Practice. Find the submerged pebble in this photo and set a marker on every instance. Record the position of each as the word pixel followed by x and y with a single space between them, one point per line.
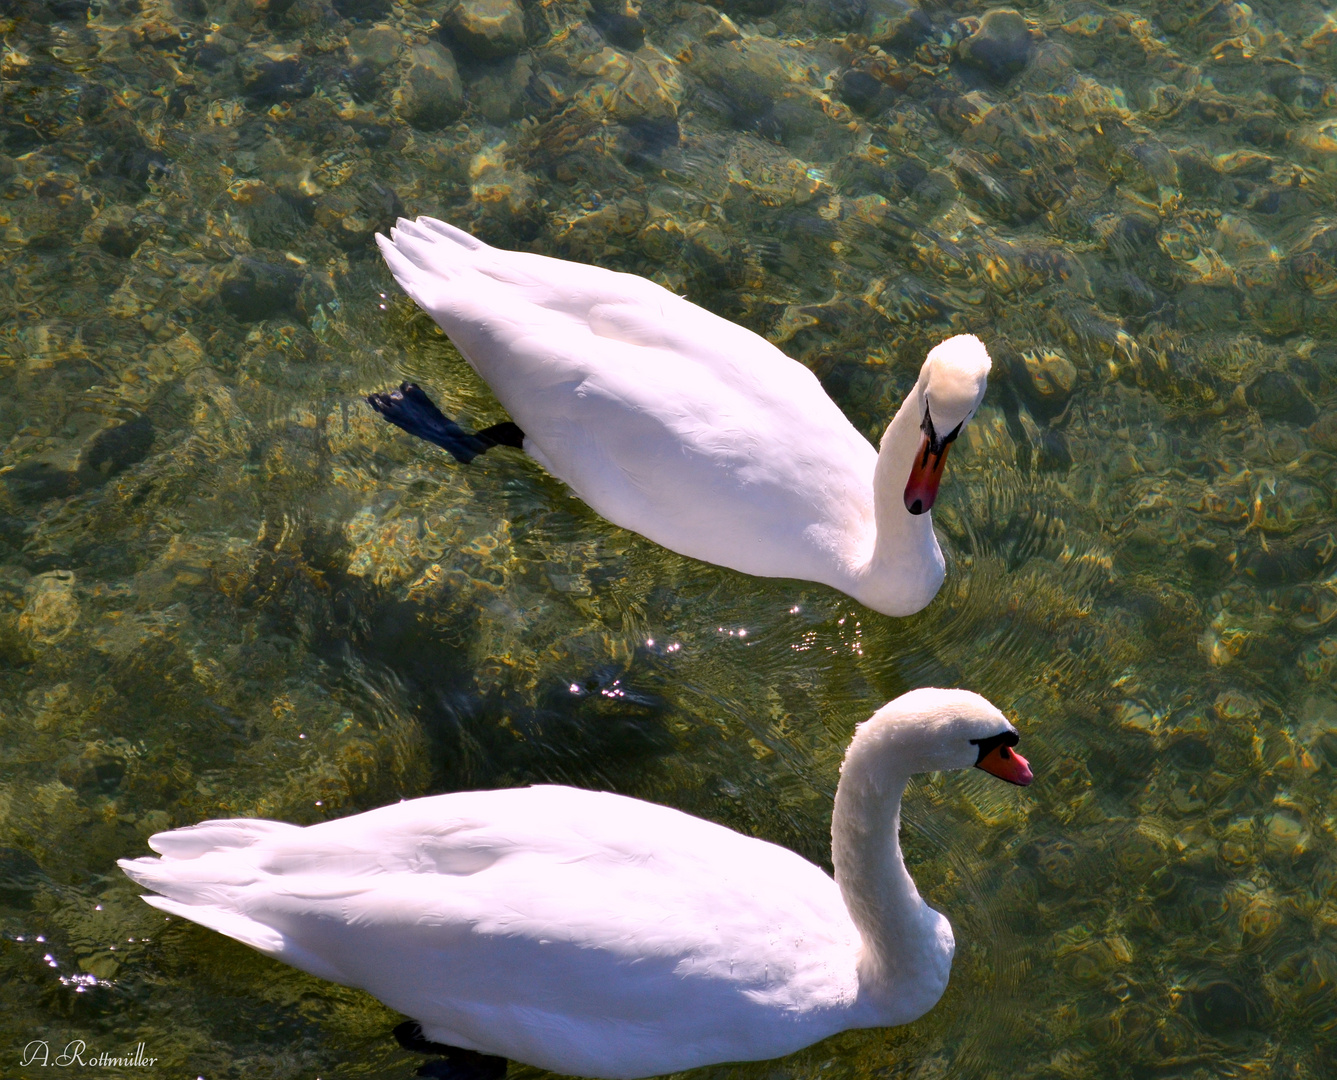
pixel 1000 46
pixel 487 28
pixel 430 93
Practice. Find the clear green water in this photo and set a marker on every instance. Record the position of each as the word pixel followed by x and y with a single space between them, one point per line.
pixel 226 588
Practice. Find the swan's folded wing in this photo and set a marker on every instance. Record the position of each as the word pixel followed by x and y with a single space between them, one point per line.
pixel 507 898
pixel 738 357
pixel 515 314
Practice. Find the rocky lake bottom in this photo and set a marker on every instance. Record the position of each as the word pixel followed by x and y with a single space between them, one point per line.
pixel 228 589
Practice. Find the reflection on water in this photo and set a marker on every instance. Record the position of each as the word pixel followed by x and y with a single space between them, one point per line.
pixel 227 588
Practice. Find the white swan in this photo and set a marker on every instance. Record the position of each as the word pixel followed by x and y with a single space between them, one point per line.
pixel 596 935
pixel 683 426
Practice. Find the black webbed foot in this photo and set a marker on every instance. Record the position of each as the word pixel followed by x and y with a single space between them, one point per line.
pixel 504 434
pixel 411 409
pixel 454 1062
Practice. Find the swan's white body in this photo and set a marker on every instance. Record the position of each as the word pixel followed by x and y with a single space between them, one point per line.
pixel 592 934
pixel 685 427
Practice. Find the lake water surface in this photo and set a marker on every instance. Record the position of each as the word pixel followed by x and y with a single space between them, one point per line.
pixel 227 588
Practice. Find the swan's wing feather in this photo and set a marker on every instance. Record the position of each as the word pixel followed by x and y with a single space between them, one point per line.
pixel 257 935
pixel 450 232
pixel 588 886
pixel 673 324
pixel 483 297
pixel 263 938
pixel 196 840
pixel 716 464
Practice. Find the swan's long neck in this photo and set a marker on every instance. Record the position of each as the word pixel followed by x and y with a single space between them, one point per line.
pixel 906 945
pixel 906 567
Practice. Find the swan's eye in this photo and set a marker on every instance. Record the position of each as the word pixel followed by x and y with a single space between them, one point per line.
pixel 1000 742
pixel 933 443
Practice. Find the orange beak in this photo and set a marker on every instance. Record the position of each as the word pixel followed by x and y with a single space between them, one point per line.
pixel 1006 764
pixel 925 475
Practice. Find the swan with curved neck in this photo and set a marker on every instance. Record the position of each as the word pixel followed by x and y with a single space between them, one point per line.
pixel 596 935
pixel 682 426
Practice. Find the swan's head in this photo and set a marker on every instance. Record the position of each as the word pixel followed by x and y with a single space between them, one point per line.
pixel 950 388
pixel 929 730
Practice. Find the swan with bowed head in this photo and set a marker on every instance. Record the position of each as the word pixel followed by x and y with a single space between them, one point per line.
pixel 596 935
pixel 682 426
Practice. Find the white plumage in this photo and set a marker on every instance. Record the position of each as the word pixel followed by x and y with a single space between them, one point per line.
pixel 685 427
pixel 593 934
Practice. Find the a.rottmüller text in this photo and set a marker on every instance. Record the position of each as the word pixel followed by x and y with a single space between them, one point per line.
pixel 77 1053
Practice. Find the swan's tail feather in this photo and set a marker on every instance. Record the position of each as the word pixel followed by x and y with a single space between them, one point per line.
pixel 439 268
pixel 191 881
pixel 450 232
pixel 432 261
pixel 257 935
pixel 211 892
pixel 234 925
pixel 186 875
pixel 428 285
pixel 446 246
pixel 486 298
pixel 400 266
pixel 422 250
pixel 196 840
